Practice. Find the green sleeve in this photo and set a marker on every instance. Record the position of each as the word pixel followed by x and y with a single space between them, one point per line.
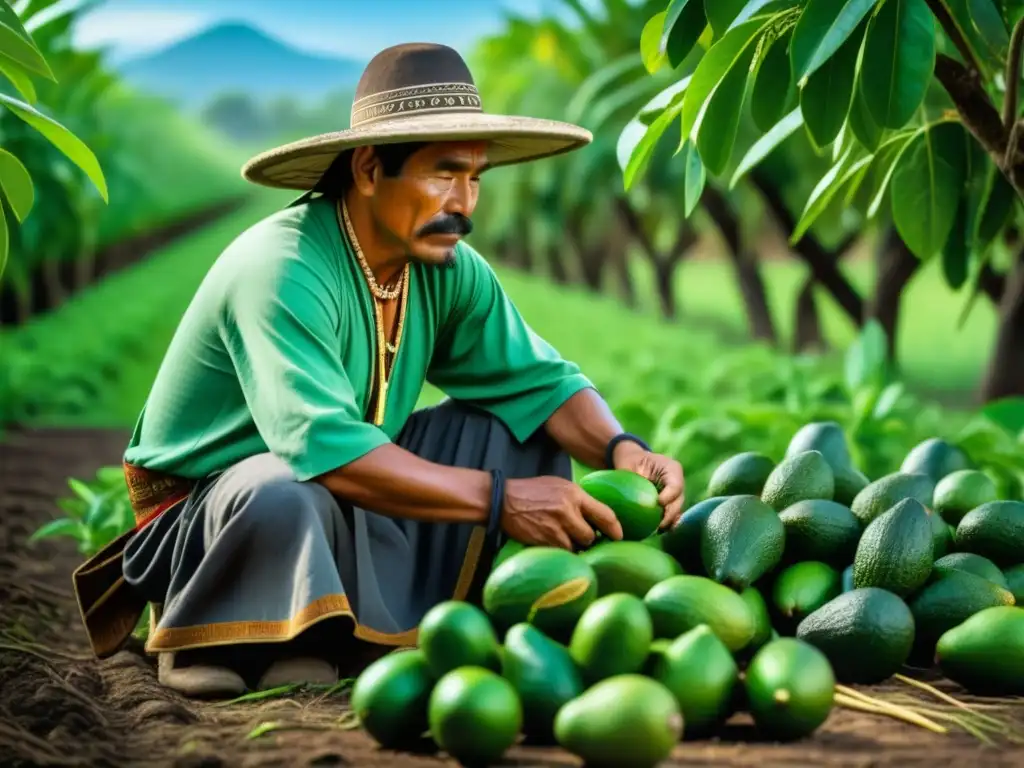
pixel 486 354
pixel 280 328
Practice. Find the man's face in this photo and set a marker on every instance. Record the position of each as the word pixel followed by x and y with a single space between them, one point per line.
pixel 427 207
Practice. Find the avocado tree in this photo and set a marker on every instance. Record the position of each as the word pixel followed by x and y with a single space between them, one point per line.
pixel 21 60
pixel 914 104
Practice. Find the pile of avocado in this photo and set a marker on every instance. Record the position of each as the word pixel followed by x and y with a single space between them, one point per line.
pixel 789 577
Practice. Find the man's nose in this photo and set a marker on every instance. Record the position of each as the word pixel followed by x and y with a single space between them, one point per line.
pixel 461 198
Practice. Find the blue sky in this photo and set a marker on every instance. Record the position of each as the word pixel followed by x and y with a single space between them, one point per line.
pixel 355 28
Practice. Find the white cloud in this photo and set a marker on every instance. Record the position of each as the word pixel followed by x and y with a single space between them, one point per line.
pixel 136 30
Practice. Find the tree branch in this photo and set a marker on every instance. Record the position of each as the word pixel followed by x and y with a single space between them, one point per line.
pixel 973 104
pixel 823 264
pixel 952 30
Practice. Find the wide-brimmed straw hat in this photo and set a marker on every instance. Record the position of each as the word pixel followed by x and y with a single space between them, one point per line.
pixel 415 92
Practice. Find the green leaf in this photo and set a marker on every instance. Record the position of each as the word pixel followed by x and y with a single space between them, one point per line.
pixel 822 29
pixel 17 184
pixel 70 145
pixel 60 527
pixel 773 90
pixel 19 79
pixel 863 126
pixel 650 43
pixel 825 97
pixel 985 24
pixel 5 240
pixel 957 251
pixel 684 23
pixel 718 126
pixel 884 165
pixel 899 59
pixel 764 146
pixel 995 207
pixel 756 6
pixel 1012 11
pixel 1007 412
pixel 826 189
pixel 721 13
pixel 866 358
pixel 644 149
pixel 716 64
pixel 17 45
pixel 695 177
pixel 596 84
pixel 926 188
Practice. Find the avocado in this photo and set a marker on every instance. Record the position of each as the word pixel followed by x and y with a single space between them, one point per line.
pixel 544 676
pixel 959 492
pixel 613 637
pixel 942 539
pixel 818 529
pixel 683 540
pixel 743 539
pixel 971 563
pixel 803 588
pixel 867 634
pixel 994 530
pixel 950 600
pixel 632 497
pixel 885 492
pixel 825 437
pixel 743 474
pixel 623 720
pixel 803 476
pixel 545 586
pixel 935 458
pixel 457 634
pixel 702 675
pixel 985 654
pixel 895 551
pixel 762 619
pixel 391 696
pixel 680 603
pixel 475 715
pixel 847 579
pixel 628 566
pixel 848 481
pixel 509 548
pixel 790 689
pixel 1015 582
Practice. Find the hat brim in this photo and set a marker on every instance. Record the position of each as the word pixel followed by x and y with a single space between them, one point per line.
pixel 511 139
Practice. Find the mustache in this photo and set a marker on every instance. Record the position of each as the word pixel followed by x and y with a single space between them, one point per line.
pixel 447 224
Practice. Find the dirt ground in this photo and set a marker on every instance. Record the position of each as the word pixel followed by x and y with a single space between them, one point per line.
pixel 61 707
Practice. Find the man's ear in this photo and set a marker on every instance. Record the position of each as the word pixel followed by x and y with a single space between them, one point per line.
pixel 364 170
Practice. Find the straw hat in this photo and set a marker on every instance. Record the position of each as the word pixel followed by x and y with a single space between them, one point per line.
pixel 415 92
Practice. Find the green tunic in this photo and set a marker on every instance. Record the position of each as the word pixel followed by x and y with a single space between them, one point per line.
pixel 277 351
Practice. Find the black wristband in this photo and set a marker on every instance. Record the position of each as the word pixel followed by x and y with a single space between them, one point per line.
pixel 497 501
pixel 608 460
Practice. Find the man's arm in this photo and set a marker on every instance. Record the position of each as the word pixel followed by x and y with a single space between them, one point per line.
pixel 584 425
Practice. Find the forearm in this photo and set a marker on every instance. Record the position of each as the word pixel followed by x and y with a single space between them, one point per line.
pixel 393 481
pixel 583 426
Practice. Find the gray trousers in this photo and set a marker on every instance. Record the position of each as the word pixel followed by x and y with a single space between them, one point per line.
pixel 253 556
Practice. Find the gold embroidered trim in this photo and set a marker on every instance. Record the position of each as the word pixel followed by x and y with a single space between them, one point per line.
pixel 328 606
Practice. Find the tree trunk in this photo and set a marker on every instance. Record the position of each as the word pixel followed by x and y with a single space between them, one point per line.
pixel 1005 374
pixel 748 272
pixel 896 264
pixel 557 265
pixel 664 271
pixel 807 336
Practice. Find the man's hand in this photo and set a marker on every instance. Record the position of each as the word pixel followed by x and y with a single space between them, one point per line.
pixel 664 472
pixel 554 512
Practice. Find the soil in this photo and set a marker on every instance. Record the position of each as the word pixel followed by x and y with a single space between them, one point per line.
pixel 59 706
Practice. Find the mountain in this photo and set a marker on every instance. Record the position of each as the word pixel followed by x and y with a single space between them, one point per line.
pixel 238 58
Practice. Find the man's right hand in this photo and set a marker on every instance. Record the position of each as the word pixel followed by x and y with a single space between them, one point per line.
pixel 555 512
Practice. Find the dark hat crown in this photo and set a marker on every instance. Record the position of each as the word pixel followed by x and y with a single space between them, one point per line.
pixel 414 79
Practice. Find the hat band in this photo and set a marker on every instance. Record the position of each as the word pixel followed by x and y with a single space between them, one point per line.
pixel 414 101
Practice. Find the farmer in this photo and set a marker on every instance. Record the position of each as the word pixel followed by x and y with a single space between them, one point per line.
pixel 294 510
